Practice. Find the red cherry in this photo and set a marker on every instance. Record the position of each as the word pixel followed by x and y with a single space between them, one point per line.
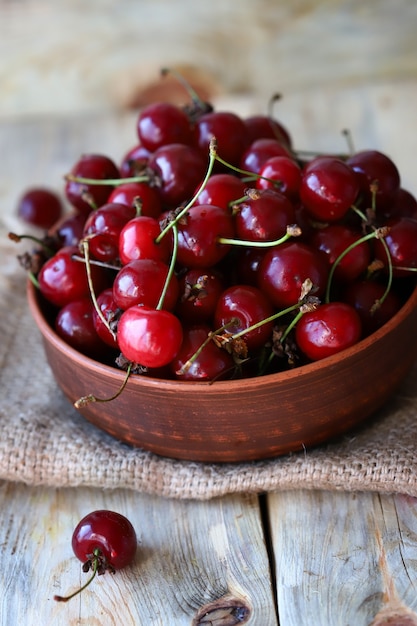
pixel 285 268
pixel 134 161
pixel 103 227
pixel 139 195
pixel 211 363
pixel 70 231
pixel 199 292
pixel 284 170
pixel 266 127
pixel 256 155
pixel 142 282
pixel 364 296
pixel 111 312
pixel 333 240
pixel 86 196
pixel 404 204
pixel 150 337
pixel 328 188
pixel 229 131
pixel 221 190
pixel 137 240
pixel 329 329
pixel 401 241
pixel 75 325
pixel 163 123
pixel 40 207
pixel 103 541
pixel 264 217
pixel 373 166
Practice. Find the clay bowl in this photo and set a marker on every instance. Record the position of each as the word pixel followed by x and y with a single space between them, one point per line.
pixel 239 420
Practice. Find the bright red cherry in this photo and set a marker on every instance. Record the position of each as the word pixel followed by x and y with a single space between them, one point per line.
pixel 103 228
pixel 221 190
pixel 40 207
pixel 286 173
pixel 149 337
pixel 84 196
pixel 328 188
pixel 137 240
pixel 329 329
pixel 162 123
pixel 146 199
pixel 142 282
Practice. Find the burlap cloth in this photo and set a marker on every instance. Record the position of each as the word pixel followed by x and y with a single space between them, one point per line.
pixel 44 441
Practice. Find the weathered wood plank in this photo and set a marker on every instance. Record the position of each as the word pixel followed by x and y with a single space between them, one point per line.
pixel 193 559
pixel 342 559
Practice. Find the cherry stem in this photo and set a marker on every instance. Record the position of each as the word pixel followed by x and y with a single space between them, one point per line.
pixel 95 564
pixel 108 266
pixel 86 252
pixel 171 267
pixel 292 231
pixel 348 136
pixel 188 88
pixel 271 318
pixel 18 238
pixel 238 170
pixel 186 366
pixel 106 181
pixel 91 398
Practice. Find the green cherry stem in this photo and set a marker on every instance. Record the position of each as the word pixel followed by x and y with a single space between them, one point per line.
pixel 95 564
pixel 92 398
pixel 171 267
pixel 106 181
pixel 186 366
pixel 292 231
pixel 18 238
pixel 271 318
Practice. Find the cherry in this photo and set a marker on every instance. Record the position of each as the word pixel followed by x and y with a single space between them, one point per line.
pixel 327 330
pixel 245 306
pixel 230 133
pixel 145 199
pixel 199 293
pixel 282 173
pixel 138 240
pixel 401 241
pixel 149 337
pixel 106 323
pixel 284 269
pixel 134 161
pixel 181 168
pixel 247 263
pixel 266 127
pixel 62 278
pixel 142 282
pixel 328 188
pixel 84 196
pixel 74 323
pixel 199 234
pixel 103 541
pixel 374 305
pixel 163 123
pixel 70 230
pixel 372 166
pixel 103 227
pixel 40 207
pixel 333 240
pixel 221 190
pixel 199 358
pixel 264 216
pixel 259 152
pixel 404 204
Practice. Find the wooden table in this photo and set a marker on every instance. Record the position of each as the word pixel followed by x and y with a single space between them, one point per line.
pixel 289 558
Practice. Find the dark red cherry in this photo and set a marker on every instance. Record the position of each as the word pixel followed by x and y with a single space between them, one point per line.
pixel 181 169
pixel 149 336
pixel 333 240
pixel 111 313
pixel 40 206
pixel 329 329
pixel 142 282
pixel 134 161
pixel 266 127
pixel 138 240
pixel 103 228
pixel 328 188
pixel 145 199
pixel 404 204
pixel 247 264
pixel 163 123
pixel 258 152
pixel 229 131
pixel 401 241
pixel 63 279
pixel 284 174
pixel 245 306
pixel 374 306
pixel 263 217
pixel 284 269
pixel 373 166
pixel 199 234
pixel 74 324
pixel 84 196
pixel 211 363
pixel 199 292
pixel 70 230
pixel 221 190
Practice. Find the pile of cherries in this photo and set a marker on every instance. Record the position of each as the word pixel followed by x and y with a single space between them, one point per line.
pixel 216 250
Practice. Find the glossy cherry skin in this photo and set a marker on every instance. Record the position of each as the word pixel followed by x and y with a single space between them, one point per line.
pixel 229 131
pixel 371 166
pixel 245 305
pixel 212 362
pixel 138 240
pixel 264 217
pixel 63 279
pixel 149 336
pixel 284 269
pixel 331 328
pixel 181 169
pixel 103 228
pixel 40 206
pixel 333 240
pixel 97 167
pixel 284 174
pixel 199 233
pixel 402 245
pixel 199 292
pixel 145 199
pixel 266 127
pixel 75 325
pixel 142 282
pixel 222 190
pixel 162 123
pixel 256 155
pixel 109 532
pixel 134 161
pixel 70 230
pixel 363 295
pixel 111 312
pixel 328 188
